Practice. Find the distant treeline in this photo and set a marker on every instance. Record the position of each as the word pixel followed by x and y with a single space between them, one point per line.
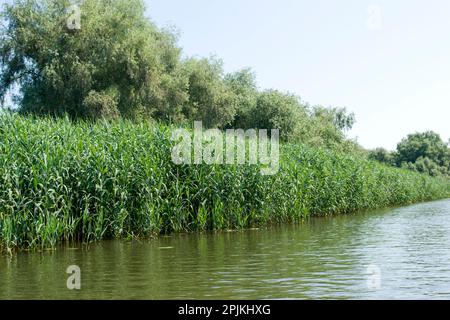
pixel 422 152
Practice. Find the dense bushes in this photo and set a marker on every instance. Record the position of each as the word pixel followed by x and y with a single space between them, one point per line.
pixel 65 181
pixel 422 152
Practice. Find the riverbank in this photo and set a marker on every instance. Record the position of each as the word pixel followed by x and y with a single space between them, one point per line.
pixel 61 181
pixel 377 254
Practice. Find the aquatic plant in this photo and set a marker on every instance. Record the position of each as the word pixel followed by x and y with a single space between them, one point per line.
pixel 82 181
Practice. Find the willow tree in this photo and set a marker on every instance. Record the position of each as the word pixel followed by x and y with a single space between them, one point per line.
pixel 108 61
pixel 211 99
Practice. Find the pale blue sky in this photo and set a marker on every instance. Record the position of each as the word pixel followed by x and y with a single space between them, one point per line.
pixel 392 71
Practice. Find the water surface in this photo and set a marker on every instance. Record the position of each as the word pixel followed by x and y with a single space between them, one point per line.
pixel 401 253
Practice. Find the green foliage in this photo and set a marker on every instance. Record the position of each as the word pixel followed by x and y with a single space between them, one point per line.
pixel 119 64
pixel 210 99
pixel 338 117
pixel 63 71
pixel 243 85
pixel 382 155
pixel 427 144
pixel 84 181
pixel 325 128
pixel 99 105
pixel 426 165
pixel 276 110
pixel 424 152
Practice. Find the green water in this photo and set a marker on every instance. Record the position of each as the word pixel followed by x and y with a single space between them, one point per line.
pixel 333 258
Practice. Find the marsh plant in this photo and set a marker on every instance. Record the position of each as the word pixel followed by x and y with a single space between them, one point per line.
pixel 230 147
pixel 81 181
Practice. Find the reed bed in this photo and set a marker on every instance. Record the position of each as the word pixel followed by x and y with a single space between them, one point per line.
pixel 64 181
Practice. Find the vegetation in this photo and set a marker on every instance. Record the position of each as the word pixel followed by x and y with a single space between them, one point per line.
pixel 65 181
pixel 88 154
pixel 421 152
pixel 119 64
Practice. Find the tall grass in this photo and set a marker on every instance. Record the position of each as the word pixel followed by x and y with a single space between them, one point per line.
pixel 61 181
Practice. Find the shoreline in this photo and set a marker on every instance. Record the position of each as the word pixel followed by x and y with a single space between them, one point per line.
pixel 91 181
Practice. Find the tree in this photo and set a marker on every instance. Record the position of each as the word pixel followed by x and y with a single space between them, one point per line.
pixel 427 145
pixel 424 152
pixel 277 110
pixel 210 99
pixel 382 155
pixel 325 127
pixel 243 85
pixel 117 63
pixel 338 117
pixel 114 62
pixel 426 165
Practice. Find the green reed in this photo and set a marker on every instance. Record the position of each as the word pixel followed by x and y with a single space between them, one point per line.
pixel 65 181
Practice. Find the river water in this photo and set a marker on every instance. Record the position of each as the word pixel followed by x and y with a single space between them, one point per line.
pixel 400 253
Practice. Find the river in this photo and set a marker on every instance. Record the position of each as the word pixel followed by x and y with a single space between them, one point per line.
pixel 399 253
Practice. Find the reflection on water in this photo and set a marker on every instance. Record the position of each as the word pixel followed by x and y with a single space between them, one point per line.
pixel 330 258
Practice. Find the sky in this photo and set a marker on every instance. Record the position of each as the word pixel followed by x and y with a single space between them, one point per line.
pixel 386 61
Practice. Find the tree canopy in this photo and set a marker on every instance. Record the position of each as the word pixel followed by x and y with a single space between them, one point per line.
pixel 118 63
pixel 423 152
